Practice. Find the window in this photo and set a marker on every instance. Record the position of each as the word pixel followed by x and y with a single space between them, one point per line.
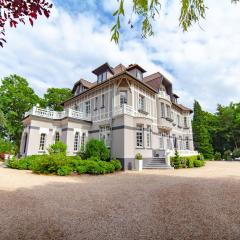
pixel 83 138
pixel 161 142
pixel 168 112
pixel 175 142
pixel 139 136
pixel 185 122
pixel 162 110
pixel 149 136
pixel 25 142
pixel 96 103
pixel 139 74
pixel 105 134
pixel 102 77
pixel 141 104
pixel 57 137
pixel 76 142
pixel 87 107
pixel 178 120
pixel 180 143
pixel 169 145
pixel 187 143
pixel 42 142
pixel 103 101
pixel 123 97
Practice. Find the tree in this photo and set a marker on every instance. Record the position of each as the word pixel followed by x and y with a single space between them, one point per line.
pixel 15 11
pixel 2 119
pixel 16 98
pixel 201 137
pixel 191 12
pixel 55 96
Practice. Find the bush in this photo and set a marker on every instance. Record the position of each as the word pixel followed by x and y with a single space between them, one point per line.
pixel 82 169
pixel 198 163
pixel 175 161
pixel 7 147
pixel 58 147
pixel 97 148
pixel 185 161
pixel 117 164
pixel 64 171
pixel 227 155
pixel 190 162
pixel 138 156
pixel 23 163
pixel 236 153
pixel 217 156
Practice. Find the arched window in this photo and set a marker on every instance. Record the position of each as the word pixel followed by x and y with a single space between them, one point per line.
pixel 42 142
pixel 57 137
pixel 76 142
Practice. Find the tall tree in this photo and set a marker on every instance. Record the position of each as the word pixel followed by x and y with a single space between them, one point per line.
pixel 54 97
pixel 16 97
pixel 201 137
pixel 2 119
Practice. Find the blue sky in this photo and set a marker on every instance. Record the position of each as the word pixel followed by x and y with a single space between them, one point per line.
pixel 203 63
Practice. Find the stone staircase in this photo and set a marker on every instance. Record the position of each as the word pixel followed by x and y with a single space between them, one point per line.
pixel 157 163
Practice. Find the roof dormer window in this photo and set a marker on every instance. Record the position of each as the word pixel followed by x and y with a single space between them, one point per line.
pixel 102 77
pixel 139 74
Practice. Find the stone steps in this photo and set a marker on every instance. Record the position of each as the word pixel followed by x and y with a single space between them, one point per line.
pixel 157 163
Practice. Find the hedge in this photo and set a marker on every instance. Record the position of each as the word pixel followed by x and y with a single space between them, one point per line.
pixel 187 161
pixel 64 165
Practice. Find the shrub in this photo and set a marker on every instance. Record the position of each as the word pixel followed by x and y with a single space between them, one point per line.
pixel 93 167
pixel 200 157
pixel 64 171
pixel 227 155
pixel 217 156
pixel 190 162
pixel 97 148
pixel 58 147
pixel 198 163
pixel 236 153
pixel 107 167
pixel 138 156
pixel 23 163
pixel 176 162
pixel 82 169
pixel 117 164
pixel 7 147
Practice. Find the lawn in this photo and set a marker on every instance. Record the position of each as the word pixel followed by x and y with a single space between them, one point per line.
pixel 200 203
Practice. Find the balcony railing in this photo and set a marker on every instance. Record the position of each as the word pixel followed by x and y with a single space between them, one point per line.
pixel 164 95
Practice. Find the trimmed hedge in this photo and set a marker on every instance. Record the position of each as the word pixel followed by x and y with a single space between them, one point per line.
pixel 64 165
pixel 187 161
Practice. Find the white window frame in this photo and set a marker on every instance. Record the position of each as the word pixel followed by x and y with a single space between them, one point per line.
pixel 139 74
pixel 149 136
pixel 168 111
pixel 163 114
pixel 105 134
pixel 57 136
pixel 185 122
pixel 140 136
pixel 161 141
pixel 141 102
pixel 96 103
pixel 88 107
pixel 83 140
pixel 42 143
pixel 123 97
pixel 76 142
pixel 187 143
pixel 103 100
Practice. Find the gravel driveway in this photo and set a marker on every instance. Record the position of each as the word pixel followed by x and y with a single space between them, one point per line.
pixel 155 204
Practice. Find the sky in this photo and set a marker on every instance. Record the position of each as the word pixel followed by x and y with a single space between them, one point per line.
pixel 203 63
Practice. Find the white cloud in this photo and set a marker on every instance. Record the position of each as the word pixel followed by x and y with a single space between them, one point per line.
pixel 203 64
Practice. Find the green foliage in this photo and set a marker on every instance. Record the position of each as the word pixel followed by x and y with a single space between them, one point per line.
pixel 2 119
pixel 217 156
pixel 138 156
pixel 186 161
pixel 201 136
pixel 97 148
pixel 55 96
pixel 64 171
pixel 7 147
pixel 236 153
pixel 58 147
pixel 198 163
pixel 117 164
pixel 16 98
pixel 227 155
pixel 81 169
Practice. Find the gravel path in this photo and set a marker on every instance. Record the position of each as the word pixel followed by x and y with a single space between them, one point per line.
pixel 155 204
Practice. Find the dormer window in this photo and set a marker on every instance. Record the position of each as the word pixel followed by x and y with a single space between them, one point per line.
pixel 139 74
pixel 102 77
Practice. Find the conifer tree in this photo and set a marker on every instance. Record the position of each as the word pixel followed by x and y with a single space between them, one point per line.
pixel 201 136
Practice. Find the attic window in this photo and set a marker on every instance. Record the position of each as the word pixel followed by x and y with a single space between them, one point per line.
pixel 139 74
pixel 102 77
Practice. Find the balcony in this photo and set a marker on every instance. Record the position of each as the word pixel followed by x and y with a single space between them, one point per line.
pixel 164 95
pixel 45 113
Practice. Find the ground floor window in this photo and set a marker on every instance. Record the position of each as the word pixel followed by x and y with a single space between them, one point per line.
pixel 139 136
pixel 180 143
pixel 161 142
pixel 42 142
pixel 83 139
pixel 169 144
pixel 57 137
pixel 187 143
pixel 25 142
pixel 76 142
pixel 175 143
pixel 149 136
pixel 105 134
